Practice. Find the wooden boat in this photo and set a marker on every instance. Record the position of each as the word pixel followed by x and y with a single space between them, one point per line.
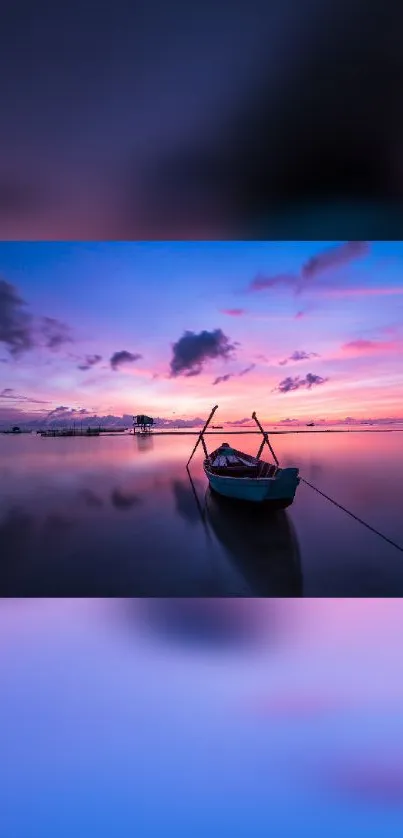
pixel 240 476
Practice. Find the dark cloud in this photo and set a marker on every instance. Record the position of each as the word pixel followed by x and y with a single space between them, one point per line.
pixel 221 378
pixel 123 357
pixel 89 361
pixel 299 355
pixel 61 412
pixel 16 325
pixel 261 282
pixel 247 369
pixel 297 383
pixel 55 332
pixel 192 350
pixel 9 393
pixel 21 332
pixel 333 257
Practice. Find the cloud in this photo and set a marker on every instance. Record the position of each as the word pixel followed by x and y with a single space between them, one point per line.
pixel 122 358
pixel 222 378
pixel 55 333
pixel 299 315
pixel 299 355
pixel 247 369
pixel 21 332
pixel 60 411
pixel 297 383
pixel 89 361
pixel 233 312
pixel 192 350
pixel 11 395
pixel 261 282
pixel 244 421
pixel 374 291
pixel 369 347
pixel 332 257
pixel 16 325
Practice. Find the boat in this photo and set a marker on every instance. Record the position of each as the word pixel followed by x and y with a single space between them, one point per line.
pixel 310 424
pixel 242 477
pixel 217 427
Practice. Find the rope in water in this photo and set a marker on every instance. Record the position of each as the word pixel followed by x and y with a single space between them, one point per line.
pixel 360 521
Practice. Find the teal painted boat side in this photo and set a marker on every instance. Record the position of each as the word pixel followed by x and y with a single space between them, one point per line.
pixel 282 487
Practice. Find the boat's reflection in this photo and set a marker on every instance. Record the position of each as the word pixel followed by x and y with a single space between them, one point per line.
pixel 262 543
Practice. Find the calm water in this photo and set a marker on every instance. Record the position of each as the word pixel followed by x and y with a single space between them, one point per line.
pixel 118 516
pixel 201 718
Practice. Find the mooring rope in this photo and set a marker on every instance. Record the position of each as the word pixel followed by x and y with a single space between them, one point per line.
pixel 356 518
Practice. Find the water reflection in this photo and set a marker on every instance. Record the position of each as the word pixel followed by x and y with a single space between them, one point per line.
pixel 262 543
pixel 95 517
pixel 124 500
pixel 90 498
pixel 16 533
pixel 185 500
pixel 145 442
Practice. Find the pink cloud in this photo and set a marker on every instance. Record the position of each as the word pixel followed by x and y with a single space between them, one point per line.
pixel 378 291
pixel 233 312
pixel 370 347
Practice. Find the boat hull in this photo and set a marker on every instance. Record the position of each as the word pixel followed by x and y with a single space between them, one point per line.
pixel 277 491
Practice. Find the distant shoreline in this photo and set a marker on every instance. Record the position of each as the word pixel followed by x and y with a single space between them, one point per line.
pixel 218 433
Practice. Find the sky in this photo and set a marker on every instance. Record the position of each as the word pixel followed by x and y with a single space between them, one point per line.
pixel 179 120
pixel 294 330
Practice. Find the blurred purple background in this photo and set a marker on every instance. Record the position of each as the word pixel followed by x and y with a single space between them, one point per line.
pixel 183 120
pixel 280 717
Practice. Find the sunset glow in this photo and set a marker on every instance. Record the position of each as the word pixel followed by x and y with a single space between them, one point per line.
pixel 301 330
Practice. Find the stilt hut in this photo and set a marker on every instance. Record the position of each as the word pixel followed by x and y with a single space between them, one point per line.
pixel 142 423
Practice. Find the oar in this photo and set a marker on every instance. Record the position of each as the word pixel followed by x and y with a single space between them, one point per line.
pixel 202 432
pixel 265 439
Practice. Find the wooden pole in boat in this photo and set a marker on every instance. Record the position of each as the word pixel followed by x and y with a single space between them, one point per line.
pixel 265 439
pixel 202 432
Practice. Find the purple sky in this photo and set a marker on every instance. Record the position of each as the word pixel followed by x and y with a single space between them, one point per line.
pixel 290 329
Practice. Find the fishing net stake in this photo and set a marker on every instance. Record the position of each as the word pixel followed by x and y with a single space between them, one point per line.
pixel 265 439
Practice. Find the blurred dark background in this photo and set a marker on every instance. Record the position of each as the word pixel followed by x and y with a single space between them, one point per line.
pixel 253 119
